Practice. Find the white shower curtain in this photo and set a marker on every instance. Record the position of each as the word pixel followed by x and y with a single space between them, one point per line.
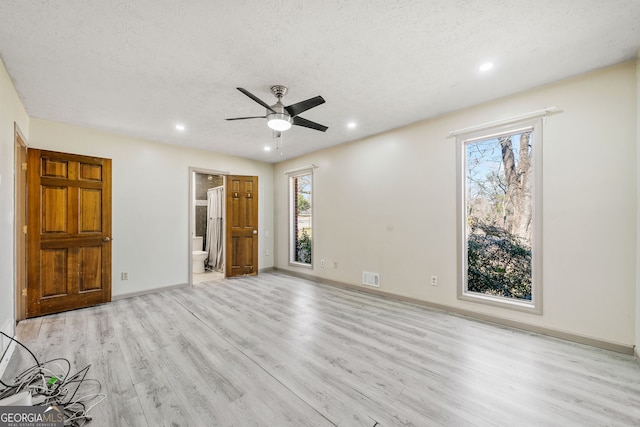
pixel 213 245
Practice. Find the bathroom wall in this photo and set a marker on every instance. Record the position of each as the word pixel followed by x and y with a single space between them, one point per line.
pixel 202 184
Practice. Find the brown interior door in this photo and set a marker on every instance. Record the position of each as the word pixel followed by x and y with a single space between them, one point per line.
pixel 242 226
pixel 68 232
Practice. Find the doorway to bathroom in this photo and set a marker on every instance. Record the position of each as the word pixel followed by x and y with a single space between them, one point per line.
pixel 207 225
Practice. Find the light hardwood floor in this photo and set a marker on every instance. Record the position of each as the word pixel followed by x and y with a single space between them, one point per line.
pixel 282 351
pixel 207 276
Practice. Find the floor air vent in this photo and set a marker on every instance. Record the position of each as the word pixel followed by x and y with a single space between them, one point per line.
pixel 371 279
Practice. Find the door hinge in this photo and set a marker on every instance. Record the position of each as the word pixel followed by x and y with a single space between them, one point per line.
pixel 24 229
pixel 24 166
pixel 24 292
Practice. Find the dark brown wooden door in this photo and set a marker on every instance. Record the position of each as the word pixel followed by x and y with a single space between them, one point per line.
pixel 68 232
pixel 242 226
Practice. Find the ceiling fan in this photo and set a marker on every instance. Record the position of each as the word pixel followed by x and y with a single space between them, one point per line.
pixel 280 118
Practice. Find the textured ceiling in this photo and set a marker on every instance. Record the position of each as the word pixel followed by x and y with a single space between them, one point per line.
pixel 138 67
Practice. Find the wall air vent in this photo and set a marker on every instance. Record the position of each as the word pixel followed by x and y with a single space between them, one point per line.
pixel 371 279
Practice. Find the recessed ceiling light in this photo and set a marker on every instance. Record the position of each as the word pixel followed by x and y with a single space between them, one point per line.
pixel 486 66
pixel 267 148
pixel 180 127
pixel 351 125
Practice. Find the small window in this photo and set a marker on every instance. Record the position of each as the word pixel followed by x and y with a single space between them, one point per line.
pixel 499 216
pixel 301 218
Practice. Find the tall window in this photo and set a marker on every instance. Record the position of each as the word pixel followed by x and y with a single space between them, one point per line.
pixel 499 216
pixel 301 208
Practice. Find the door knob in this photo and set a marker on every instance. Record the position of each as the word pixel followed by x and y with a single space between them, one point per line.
pixel 106 239
pixel 255 231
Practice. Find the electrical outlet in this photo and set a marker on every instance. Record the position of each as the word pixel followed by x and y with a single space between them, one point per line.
pixel 124 276
pixel 322 263
pixel 434 280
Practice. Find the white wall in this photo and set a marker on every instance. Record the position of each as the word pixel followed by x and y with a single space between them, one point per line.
pixel 387 204
pixel 637 342
pixel 11 110
pixel 151 200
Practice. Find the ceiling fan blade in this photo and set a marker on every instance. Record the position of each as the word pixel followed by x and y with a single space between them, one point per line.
pixel 299 121
pixel 302 106
pixel 255 98
pixel 245 118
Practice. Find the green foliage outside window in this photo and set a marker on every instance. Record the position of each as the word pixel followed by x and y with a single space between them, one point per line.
pixel 303 248
pixel 499 263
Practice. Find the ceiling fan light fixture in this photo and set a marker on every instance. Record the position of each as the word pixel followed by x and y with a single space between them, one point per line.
pixel 281 118
pixel 279 122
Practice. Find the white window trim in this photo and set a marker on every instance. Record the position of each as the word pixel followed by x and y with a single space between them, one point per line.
pixel 307 170
pixel 481 133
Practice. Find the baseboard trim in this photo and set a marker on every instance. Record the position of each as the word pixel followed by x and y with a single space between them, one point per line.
pixel 266 270
pixel 636 353
pixel 567 336
pixel 148 291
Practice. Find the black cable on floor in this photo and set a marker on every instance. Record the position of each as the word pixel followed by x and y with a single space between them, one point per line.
pixel 50 384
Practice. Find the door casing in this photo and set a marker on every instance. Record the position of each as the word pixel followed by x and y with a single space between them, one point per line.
pixel 192 213
pixel 20 211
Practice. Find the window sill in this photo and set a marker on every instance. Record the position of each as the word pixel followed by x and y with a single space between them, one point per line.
pixel 508 303
pixel 301 265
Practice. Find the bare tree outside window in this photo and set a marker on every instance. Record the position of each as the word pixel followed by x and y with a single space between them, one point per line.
pixel 499 215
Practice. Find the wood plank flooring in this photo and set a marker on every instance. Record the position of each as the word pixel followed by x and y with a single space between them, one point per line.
pixel 275 350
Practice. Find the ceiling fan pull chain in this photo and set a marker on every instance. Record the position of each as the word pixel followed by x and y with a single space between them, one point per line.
pixel 279 145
